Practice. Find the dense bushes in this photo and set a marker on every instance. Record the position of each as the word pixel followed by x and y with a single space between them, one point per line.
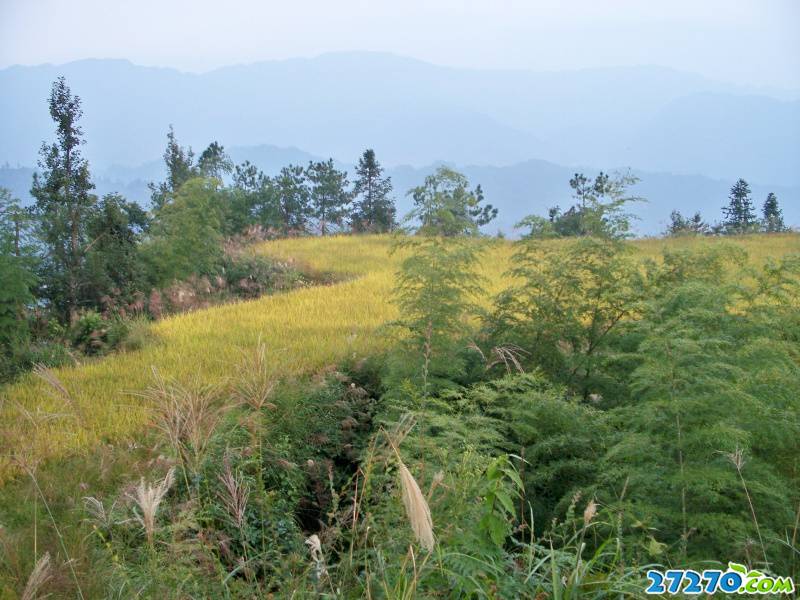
pixel 39 338
pixel 679 409
pixel 693 361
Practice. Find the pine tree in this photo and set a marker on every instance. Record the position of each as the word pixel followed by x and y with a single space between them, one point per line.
pixel 64 202
pixel 773 215
pixel 599 210
pixel 444 205
pixel 740 216
pixel 697 225
pixel 680 225
pixel 330 197
pixel 180 168
pixel 293 199
pixel 214 161
pixel 254 199
pixel 374 210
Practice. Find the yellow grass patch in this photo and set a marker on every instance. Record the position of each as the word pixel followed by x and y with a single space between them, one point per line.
pixel 304 330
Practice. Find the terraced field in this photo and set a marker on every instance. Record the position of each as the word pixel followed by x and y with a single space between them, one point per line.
pixel 304 330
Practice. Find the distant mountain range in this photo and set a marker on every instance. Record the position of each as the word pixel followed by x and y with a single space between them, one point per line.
pixel 415 113
pixel 517 190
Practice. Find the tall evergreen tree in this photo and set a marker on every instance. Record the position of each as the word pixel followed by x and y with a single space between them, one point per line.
pixel 180 168
pixel 330 197
pixel 374 209
pixel 214 161
pixel 293 199
pixel 740 217
pixel 63 202
pixel 254 200
pixel 773 215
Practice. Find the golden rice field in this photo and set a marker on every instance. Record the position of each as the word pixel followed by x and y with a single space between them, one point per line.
pixel 304 330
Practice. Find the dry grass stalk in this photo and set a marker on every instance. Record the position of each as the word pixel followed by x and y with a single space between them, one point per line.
pixel 234 496
pixel 98 513
pixel 61 392
pixel 148 497
pixel 41 574
pixel 417 509
pixel 589 512
pixel 187 417
pixel 256 380
pixel 509 355
pixel 315 549
pixel 438 478
pixel 737 460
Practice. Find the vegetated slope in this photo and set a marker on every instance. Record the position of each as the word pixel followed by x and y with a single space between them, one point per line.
pixel 304 331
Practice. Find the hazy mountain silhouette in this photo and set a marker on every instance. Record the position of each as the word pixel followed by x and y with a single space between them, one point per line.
pixel 416 113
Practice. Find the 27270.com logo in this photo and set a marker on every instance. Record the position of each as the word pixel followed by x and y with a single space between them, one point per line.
pixel 737 579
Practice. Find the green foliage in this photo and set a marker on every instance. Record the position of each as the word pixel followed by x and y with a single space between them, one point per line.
pixel 566 302
pixel 253 200
pixel 436 288
pixel 559 438
pixel 740 216
pixel 374 210
pixel 680 225
pixel 599 211
pixel 328 193
pixel 214 162
pixel 294 199
pixel 88 332
pixel 18 280
pixel 180 169
pixel 186 237
pixel 699 392
pixel 63 203
pixel 502 486
pixel 772 221
pixel 250 276
pixel 114 268
pixel 700 398
pixel 444 206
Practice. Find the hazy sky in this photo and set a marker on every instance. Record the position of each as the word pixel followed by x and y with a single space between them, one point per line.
pixel 744 41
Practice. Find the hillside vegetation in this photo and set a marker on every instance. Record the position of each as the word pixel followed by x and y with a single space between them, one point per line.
pixel 328 382
pixel 303 330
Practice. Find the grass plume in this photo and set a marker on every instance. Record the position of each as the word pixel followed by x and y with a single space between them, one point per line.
pixel 147 497
pixel 41 574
